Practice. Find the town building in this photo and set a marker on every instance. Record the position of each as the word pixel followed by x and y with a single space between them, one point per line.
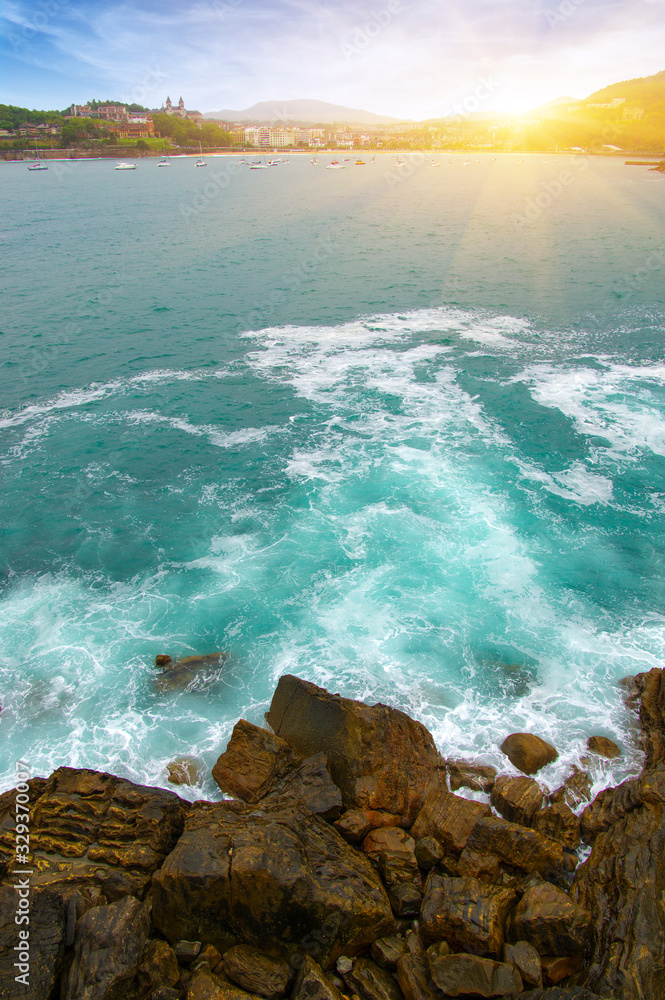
pixel 138 129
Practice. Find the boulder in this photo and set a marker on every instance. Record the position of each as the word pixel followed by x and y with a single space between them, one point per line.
pixel 649 692
pixel 428 852
pixel 474 865
pixel 461 975
pixel 370 982
pixel 378 756
pixel 575 790
pixel 311 782
pixel 405 899
pixel 46 940
pixel 107 953
pixel 609 806
pixel 467 913
pixel 603 747
pixel 526 960
pixel 449 818
pixel 184 771
pixel 463 774
pixel 187 951
pixel 559 822
pixel 414 978
pixel 389 840
pixel 253 760
pixel 516 845
pixel 205 985
pixel 159 967
pixel 528 753
pixel 311 984
pixel 176 675
pixel 517 799
pixel 556 968
pixel 272 875
pixel 550 920
pixel 353 825
pixel 387 951
pixel 255 972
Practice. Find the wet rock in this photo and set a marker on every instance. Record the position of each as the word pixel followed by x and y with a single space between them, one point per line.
pixel 528 753
pixel 477 777
pixel 205 985
pixel 179 674
pixel 378 818
pixel 461 975
pixel 575 790
pixel 108 950
pixel 405 899
pixel 46 943
pixel 378 757
pixel 438 950
pixel 370 982
pixel 386 951
pixel 163 660
pixel 526 960
pixel 164 993
pixel 311 782
pixel 268 875
pixel 187 951
pixel 559 822
pixel 414 942
pixel 184 771
pixel 255 972
pixel 344 965
pixel 466 913
pixel 474 865
pixel 650 691
pixel 428 852
pixel 517 799
pixel 312 984
pixel 253 760
pixel 516 845
pixel 211 956
pixel 353 825
pixel 159 967
pixel 603 747
pixel 550 920
pixel 414 978
pixel 389 840
pixel 559 993
pixel 449 818
pixel 556 968
pixel 609 807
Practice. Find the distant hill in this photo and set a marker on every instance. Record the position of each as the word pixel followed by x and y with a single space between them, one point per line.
pixel 294 112
pixel 648 92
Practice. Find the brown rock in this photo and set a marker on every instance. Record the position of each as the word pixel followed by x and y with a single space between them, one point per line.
pixel 414 978
pixel 466 913
pixel 378 818
pixel 650 689
pixel 428 852
pixel 516 845
pixel 461 975
pixel 353 825
pixel 108 949
pixel 559 967
pixel 389 840
pixel 205 985
pixel 311 782
pixel 269 875
pixel 184 771
pixel 211 956
pixel 159 967
pixel 255 972
pixel 558 822
pixel 526 960
pixel 413 942
pixel 475 865
pixel 378 756
pixel 370 982
pixel 517 799
pixel 179 674
pixel 405 899
pixel 46 943
pixel 311 984
pixel 449 818
pixel 609 807
pixel 550 920
pixel 575 790
pixel 478 777
pixel 162 660
pixel 253 760
pixel 528 753
pixel 186 951
pixel 386 951
pixel 603 747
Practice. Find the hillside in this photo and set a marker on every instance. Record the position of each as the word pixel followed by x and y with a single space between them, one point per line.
pixel 300 111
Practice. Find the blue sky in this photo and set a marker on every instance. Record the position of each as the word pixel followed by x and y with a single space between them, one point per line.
pixel 407 58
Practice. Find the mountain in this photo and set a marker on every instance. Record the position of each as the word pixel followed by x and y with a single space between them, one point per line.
pixel 293 112
pixel 646 91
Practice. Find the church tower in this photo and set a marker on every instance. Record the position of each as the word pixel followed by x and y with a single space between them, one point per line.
pixel 169 106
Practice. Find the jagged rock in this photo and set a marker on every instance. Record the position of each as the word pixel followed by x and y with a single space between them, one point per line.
pixel 159 967
pixel 311 984
pixel 413 942
pixel 184 771
pixel 405 899
pixel 559 822
pixel 622 884
pixel 528 753
pixel 609 806
pixel 108 949
pixel 179 674
pixel 603 747
pixel 205 985
pixel 46 941
pixel 460 975
pixel 353 825
pixel 466 913
pixel 526 960
pixel 414 978
pixel 575 790
pixel 164 993
pixel 389 840
pixel 312 783
pixel 428 852
pixel 343 965
pixel 474 865
pixel 559 993
pixel 550 920
pixel 650 690
pixel 438 950
pixel 517 799
pixel 378 818
pixel 378 756
pixel 556 968
pixel 516 845
pixel 399 869
pixel 370 982
pixel 255 972
pixel 89 827
pixel 163 660
pixel 462 774
pixel 386 951
pixel 449 818
pixel 187 951
pixel 211 956
pixel 253 760
pixel 268 875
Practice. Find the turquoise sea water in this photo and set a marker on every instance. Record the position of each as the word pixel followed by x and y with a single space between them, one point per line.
pixel 398 430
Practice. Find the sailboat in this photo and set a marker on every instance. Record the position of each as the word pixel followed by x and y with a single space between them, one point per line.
pixel 200 162
pixel 38 164
pixel 164 162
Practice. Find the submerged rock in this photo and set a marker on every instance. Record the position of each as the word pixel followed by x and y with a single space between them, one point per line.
pixel 176 675
pixel 184 771
pixel 603 747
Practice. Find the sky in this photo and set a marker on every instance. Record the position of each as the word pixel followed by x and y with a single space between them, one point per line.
pixel 412 59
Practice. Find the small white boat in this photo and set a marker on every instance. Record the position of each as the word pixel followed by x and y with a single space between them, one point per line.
pixel 164 162
pixel 314 161
pixel 200 162
pixel 125 166
pixel 37 165
pixel 258 166
pixel 335 165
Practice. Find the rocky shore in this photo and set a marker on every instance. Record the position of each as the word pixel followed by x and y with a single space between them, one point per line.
pixel 346 865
